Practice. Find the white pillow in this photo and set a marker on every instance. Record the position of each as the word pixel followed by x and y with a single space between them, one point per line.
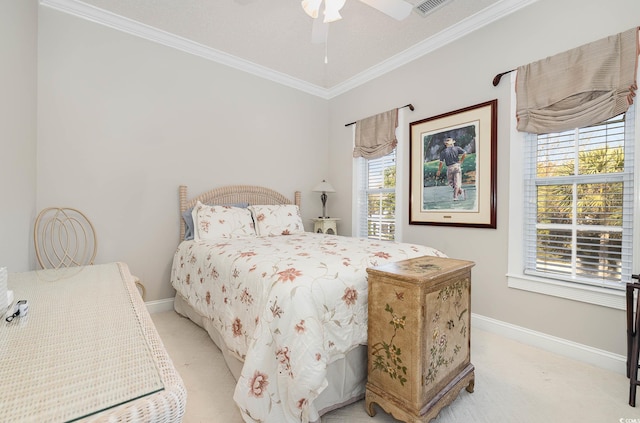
pixel 274 220
pixel 216 222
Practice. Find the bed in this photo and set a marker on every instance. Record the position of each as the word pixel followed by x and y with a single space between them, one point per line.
pixel 287 308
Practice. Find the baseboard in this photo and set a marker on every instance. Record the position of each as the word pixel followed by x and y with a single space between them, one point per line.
pixel 159 306
pixel 597 357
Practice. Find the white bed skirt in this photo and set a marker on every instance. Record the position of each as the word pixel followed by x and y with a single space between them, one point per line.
pixel 347 376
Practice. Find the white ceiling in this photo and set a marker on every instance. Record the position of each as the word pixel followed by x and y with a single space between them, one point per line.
pixel 275 35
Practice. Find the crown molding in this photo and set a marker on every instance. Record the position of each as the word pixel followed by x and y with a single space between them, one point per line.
pixel 462 28
pixel 138 29
pixel 100 16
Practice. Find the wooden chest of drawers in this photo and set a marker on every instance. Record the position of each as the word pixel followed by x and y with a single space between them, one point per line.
pixel 419 336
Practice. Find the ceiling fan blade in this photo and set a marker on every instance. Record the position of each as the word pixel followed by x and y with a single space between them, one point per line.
pixel 319 31
pixel 397 9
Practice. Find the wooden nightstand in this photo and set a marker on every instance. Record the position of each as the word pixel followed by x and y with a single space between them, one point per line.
pixel 419 336
pixel 326 225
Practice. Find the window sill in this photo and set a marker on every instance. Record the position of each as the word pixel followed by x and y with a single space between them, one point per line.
pixel 611 298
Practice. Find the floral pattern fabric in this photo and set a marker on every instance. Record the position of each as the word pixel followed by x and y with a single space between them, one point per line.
pixel 216 222
pixel 287 306
pixel 275 220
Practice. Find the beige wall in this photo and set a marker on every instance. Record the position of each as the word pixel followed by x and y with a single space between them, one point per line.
pixel 18 113
pixel 460 75
pixel 124 121
pixel 121 122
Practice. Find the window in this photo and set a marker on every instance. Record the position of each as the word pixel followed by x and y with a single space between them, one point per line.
pixel 379 191
pixel 521 273
pixel 377 197
pixel 579 204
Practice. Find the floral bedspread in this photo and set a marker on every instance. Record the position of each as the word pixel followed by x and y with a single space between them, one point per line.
pixel 286 305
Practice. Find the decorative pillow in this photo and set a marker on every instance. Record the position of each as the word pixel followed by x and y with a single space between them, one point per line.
pixel 188 218
pixel 274 220
pixel 216 222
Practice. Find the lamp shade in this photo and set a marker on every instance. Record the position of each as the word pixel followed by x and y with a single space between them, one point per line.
pixel 324 186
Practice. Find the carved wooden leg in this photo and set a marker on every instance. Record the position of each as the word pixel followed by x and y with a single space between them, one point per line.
pixel 471 385
pixel 370 407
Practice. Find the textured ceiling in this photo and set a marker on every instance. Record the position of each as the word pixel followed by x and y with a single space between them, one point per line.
pixel 276 34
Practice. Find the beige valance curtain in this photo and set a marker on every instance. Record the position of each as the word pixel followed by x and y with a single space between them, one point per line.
pixel 376 135
pixel 579 87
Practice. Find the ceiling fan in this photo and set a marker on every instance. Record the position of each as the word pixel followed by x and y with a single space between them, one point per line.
pixel 397 9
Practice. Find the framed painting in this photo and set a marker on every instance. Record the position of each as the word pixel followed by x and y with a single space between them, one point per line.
pixel 453 162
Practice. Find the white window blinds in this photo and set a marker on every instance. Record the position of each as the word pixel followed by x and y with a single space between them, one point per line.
pixel 377 197
pixel 579 203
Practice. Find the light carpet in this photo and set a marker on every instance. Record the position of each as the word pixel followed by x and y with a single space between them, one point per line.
pixel 515 383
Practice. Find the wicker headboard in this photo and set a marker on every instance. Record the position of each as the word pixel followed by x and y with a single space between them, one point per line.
pixel 233 194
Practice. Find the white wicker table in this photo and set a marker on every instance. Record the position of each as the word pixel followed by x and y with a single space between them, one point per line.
pixel 86 351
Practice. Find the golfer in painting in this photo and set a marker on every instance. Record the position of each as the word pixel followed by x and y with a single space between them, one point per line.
pixel 453 156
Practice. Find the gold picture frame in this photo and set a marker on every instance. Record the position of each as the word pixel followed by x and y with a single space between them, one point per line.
pixel 453 160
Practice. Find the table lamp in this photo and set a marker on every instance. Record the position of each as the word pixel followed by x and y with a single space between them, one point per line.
pixel 324 187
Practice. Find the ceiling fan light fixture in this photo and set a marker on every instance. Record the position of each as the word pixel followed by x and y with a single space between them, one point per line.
pixel 332 10
pixel 311 7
